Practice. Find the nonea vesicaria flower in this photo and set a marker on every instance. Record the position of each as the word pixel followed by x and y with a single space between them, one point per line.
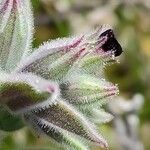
pixel 57 89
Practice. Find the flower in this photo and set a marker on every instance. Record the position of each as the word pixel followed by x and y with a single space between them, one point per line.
pixel 59 87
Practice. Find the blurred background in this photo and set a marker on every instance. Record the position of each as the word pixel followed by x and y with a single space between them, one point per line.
pixel 130 130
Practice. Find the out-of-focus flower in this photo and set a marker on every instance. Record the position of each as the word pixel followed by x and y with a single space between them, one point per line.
pixel 126 119
pixel 127 106
pixel 59 87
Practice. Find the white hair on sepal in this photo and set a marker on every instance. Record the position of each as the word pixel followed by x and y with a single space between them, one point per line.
pixel 80 142
pixel 98 104
pixel 87 128
pixel 80 67
pixel 29 120
pixel 96 99
pixel 104 28
pixel 98 31
pixel 33 123
pixel 16 21
pixel 97 138
pixel 80 82
pixel 68 139
pixel 49 48
pixel 6 14
pixel 37 85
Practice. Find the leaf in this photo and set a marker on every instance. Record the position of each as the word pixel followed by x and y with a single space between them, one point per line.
pixel 9 122
pixel 24 92
pixel 16 32
pixel 65 117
